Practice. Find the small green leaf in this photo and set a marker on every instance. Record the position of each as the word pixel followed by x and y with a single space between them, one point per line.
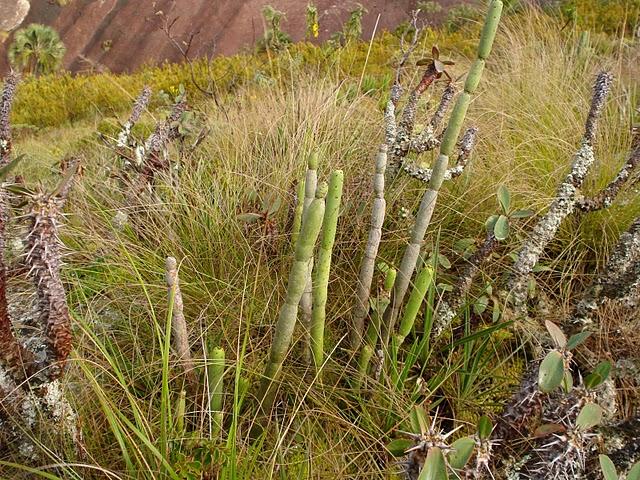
pixel 444 261
pixel 461 245
pixel 501 228
pixel 577 339
pixel 249 217
pixel 589 416
pixel 491 223
pixel 548 429
pixel 485 427
pixel 481 305
pixel 399 446
pixel 551 372
pixel 420 420
pixel 634 473
pixel 435 466
pixel 522 214
pixel 556 334
pixel 608 468
pixel 599 375
pixel 461 452
pixel 504 198
pixel 537 268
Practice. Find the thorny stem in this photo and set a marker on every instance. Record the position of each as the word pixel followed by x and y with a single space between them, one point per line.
pixel 620 280
pixel 605 198
pixel 453 301
pixel 138 107
pixel 155 147
pixel 564 202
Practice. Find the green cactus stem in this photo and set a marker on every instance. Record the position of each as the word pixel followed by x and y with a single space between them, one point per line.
pixel 306 302
pixel 297 215
pixel 423 280
pixel 365 277
pixel 311 224
pixel 181 408
pixel 323 266
pixel 366 353
pixel 215 379
pixel 428 203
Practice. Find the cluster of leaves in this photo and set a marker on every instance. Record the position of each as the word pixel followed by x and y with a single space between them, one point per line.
pixel 275 39
pixel 500 224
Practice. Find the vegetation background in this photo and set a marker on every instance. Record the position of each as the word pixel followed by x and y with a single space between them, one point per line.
pixel 265 112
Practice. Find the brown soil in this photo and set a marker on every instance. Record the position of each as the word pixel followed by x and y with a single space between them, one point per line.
pixel 122 35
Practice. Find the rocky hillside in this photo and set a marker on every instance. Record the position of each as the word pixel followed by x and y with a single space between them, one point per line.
pixel 121 35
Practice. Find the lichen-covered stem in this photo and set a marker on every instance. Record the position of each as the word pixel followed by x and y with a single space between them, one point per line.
pixel 365 277
pixel 306 302
pixel 563 204
pixel 323 266
pixel 427 205
pixel 215 379
pixel 619 281
pixel 311 224
pixel 14 358
pixel 466 146
pixel 6 102
pixel 180 337
pixel 155 148
pixel 608 194
pixel 139 106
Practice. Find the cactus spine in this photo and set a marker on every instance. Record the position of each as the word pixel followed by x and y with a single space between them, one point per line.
pixel 323 266
pixel 306 302
pixel 285 325
pixel 428 203
pixel 215 378
pixel 371 250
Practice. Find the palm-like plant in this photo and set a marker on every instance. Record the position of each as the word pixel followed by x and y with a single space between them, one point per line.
pixel 36 49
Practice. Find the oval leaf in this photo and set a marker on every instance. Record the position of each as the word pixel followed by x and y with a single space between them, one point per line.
pixel 589 416
pixel 556 334
pixel 551 372
pixel 577 339
pixel 599 375
pixel 435 467
pixel 399 446
pixel 249 217
pixel 634 473
pixel 504 198
pixel 608 468
pixel 522 214
pixel 491 223
pixel 485 427
pixel 501 228
pixel 461 452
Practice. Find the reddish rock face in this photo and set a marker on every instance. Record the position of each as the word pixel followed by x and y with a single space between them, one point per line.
pixel 121 35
